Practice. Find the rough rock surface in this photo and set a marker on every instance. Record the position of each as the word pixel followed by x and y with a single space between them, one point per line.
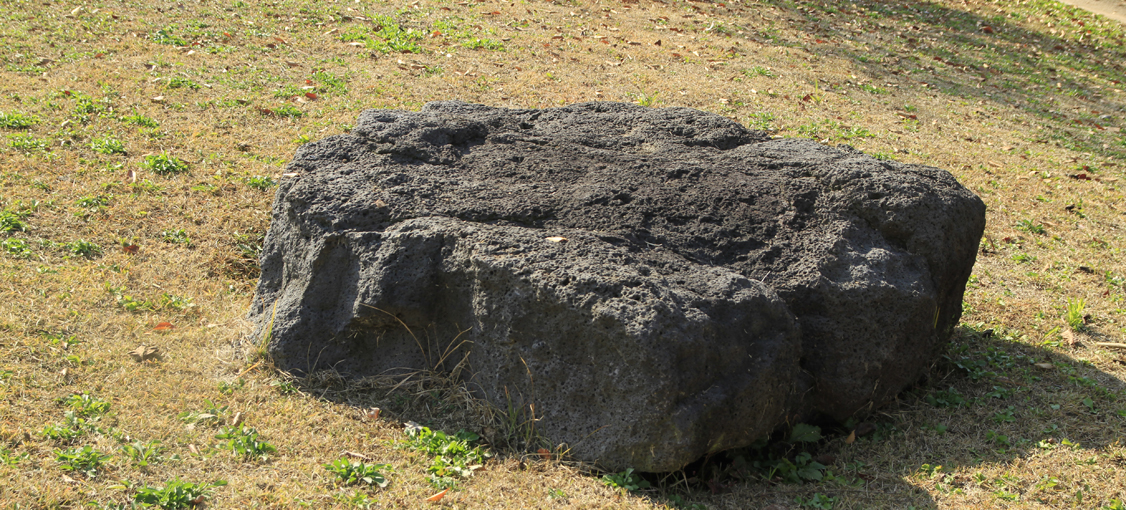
pixel 711 282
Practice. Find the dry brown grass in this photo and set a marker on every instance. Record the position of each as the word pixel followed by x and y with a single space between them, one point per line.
pixel 1014 110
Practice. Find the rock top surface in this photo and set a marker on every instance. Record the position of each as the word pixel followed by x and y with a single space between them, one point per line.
pixel 658 283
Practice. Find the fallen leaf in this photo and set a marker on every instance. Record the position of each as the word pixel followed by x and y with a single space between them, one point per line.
pixel 193 449
pixel 292 64
pixel 380 203
pixel 357 455
pixel 372 414
pixel 987 29
pixel 144 353
pixel 158 99
pixel 311 95
pixel 851 437
pixel 1070 338
pixel 131 249
pixel 437 497
pixel 544 453
pixel 556 239
pixel 199 500
pixel 164 326
pixel 131 176
pixel 236 420
pixel 1045 366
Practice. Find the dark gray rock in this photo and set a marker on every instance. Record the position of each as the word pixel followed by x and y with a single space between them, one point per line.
pixel 712 285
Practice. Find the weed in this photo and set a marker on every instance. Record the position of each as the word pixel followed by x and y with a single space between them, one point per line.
pixel 1030 227
pixel 453 455
pixel 285 111
pixel 284 387
pixel 802 469
pixel 85 405
pixel 679 503
pixel 228 388
pixel 759 71
pixel 17 120
pixel 107 145
pixel 85 460
pixel 16 248
pixel 328 83
pixel 93 202
pixel 26 143
pixel 178 236
pixel 143 453
pixel 12 222
pixel 163 164
pixel 644 99
pixel 140 120
pixel 351 473
pixel 1005 416
pixel 483 44
pixel 177 82
pixel 872 89
pixel 386 37
pixel 260 182
pixel 83 248
pixel 167 36
pixel 1075 314
pixel 817 500
pixel 997 438
pixel 176 494
pixel 357 499
pixel 211 415
pixel 761 121
pixel 61 433
pixel 7 458
pixel 244 442
pixel 627 480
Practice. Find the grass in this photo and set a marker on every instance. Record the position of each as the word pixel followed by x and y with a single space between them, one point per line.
pixel 1030 116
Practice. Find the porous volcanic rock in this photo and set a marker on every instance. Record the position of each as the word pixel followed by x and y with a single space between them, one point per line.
pixel 658 283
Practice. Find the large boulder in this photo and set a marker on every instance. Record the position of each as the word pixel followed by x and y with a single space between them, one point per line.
pixel 652 284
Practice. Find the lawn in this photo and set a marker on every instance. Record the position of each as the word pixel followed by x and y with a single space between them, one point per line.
pixel 141 144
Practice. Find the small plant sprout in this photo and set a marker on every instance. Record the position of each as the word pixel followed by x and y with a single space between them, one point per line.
pixel 176 494
pixel 85 405
pixel 453 455
pixel 260 182
pixel 163 164
pixel 17 120
pixel 1075 314
pixel 244 442
pixel 12 222
pixel 107 145
pixel 628 480
pixel 85 460
pixel 356 472
pixel 143 453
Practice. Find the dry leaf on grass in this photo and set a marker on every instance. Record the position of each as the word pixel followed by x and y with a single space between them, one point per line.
pixel 851 437
pixel 544 453
pixel 1045 366
pixel 437 497
pixel 556 239
pixel 145 353
pixel 130 249
pixel 164 326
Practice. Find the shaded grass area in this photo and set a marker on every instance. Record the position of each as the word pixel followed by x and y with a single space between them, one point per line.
pixel 140 145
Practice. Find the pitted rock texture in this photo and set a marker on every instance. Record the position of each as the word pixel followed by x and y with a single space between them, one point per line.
pixel 658 283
